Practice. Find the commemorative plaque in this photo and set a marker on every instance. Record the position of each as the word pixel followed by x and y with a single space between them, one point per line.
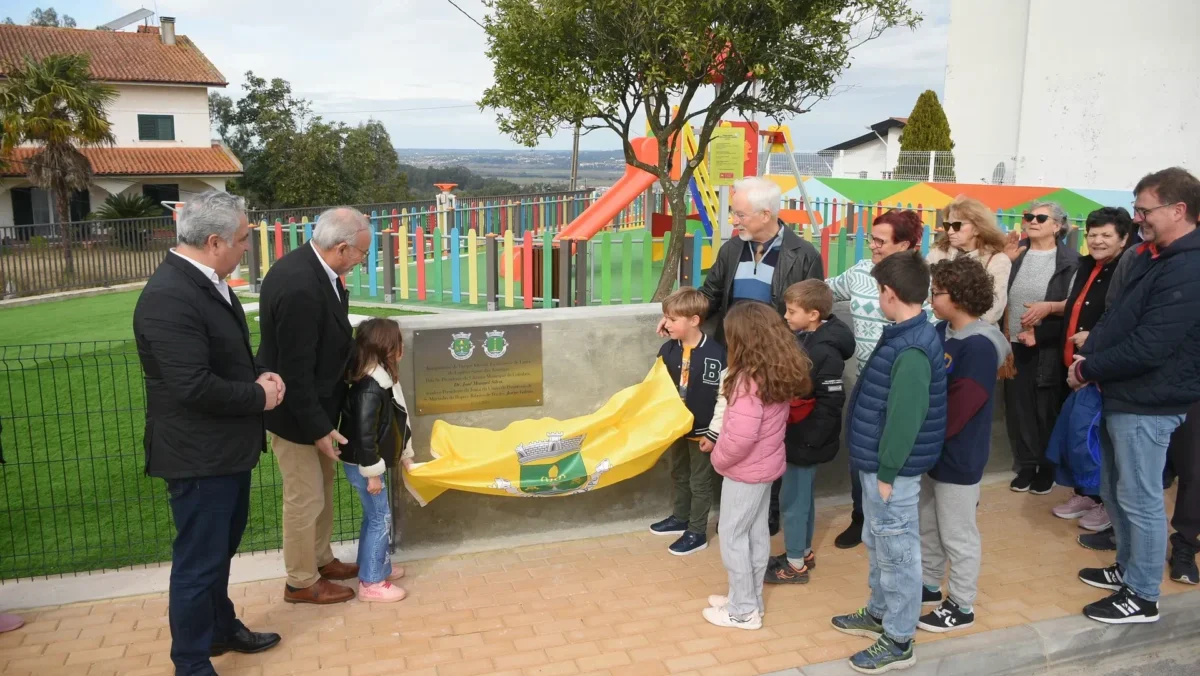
pixel 477 367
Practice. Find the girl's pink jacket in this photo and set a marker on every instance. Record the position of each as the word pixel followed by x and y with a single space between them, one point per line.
pixel 750 448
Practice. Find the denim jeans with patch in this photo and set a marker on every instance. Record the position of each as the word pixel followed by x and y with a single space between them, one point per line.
pixel 1133 453
pixel 375 536
pixel 892 536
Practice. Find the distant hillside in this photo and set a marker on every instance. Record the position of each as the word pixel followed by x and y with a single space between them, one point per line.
pixel 421 182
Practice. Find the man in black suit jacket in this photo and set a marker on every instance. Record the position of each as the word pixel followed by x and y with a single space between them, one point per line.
pixel 307 339
pixel 204 422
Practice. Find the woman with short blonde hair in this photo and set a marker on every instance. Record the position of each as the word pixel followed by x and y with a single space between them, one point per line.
pixel 971 230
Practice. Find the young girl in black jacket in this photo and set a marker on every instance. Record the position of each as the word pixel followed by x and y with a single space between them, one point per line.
pixel 374 422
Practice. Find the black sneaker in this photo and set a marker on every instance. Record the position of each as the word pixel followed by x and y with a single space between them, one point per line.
pixel 1023 479
pixel 852 536
pixel 1043 481
pixel 786 574
pixel 948 617
pixel 688 543
pixel 1104 541
pixel 780 561
pixel 930 598
pixel 1104 578
pixel 1123 607
pixel 669 526
pixel 1183 560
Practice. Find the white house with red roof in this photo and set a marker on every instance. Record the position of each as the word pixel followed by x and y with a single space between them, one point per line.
pixel 164 147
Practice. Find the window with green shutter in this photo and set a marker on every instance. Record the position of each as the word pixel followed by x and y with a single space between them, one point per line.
pixel 156 127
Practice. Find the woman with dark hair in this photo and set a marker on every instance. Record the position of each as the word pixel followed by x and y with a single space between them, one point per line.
pixel 1107 234
pixel 1041 278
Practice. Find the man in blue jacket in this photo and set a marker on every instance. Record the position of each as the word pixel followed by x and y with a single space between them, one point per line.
pixel 1145 355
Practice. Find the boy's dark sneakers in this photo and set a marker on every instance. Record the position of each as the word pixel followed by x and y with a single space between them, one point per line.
pixel 859 623
pixel 1123 607
pixel 930 598
pixel 688 543
pixel 852 536
pixel 669 526
pixel 948 617
pixel 786 574
pixel 883 657
pixel 1183 560
pixel 810 561
pixel 1023 480
pixel 1043 482
pixel 1104 541
pixel 1105 578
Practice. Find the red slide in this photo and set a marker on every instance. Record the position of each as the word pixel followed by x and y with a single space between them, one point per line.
pixel 635 182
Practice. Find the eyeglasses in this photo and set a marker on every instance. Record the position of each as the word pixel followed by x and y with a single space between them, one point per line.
pixel 877 243
pixel 1040 218
pixel 955 225
pixel 940 293
pixel 1144 212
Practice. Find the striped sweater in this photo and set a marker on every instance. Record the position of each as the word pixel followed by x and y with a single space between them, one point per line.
pixel 860 288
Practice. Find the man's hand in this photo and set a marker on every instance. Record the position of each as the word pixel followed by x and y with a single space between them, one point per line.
pixel 1079 339
pixel 1012 245
pixel 1027 338
pixel 885 491
pixel 1034 314
pixel 326 445
pixel 272 387
pixel 1073 374
pixel 374 485
pixel 662 328
pixel 706 446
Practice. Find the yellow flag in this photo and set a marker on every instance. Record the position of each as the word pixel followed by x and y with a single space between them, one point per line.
pixel 554 458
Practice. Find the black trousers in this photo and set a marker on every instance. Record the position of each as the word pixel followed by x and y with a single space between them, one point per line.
pixel 1183 459
pixel 1030 411
pixel 210 516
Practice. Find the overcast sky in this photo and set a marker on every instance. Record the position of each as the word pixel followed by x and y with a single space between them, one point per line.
pixel 357 60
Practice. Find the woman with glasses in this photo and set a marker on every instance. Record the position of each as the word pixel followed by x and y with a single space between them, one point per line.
pixel 971 230
pixel 1037 288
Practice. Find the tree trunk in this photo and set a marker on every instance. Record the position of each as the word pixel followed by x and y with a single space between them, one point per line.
pixel 674 254
pixel 62 205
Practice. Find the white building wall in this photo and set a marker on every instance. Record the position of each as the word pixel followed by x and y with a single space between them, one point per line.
pixel 189 106
pixel 870 157
pixel 1085 93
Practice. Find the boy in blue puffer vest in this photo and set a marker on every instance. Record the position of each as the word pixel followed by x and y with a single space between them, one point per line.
pixel 895 431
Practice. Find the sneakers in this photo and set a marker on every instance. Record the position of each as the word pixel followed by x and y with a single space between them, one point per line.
pixel 1023 480
pixel 1123 607
pixel 721 618
pixel 948 617
pixel 718 601
pixel 852 536
pixel 381 592
pixel 1104 541
pixel 1105 578
pixel 688 543
pixel 669 526
pixel 1043 481
pixel 1183 560
pixel 883 657
pixel 1096 520
pixel 930 597
pixel 1074 508
pixel 786 574
pixel 810 561
pixel 859 623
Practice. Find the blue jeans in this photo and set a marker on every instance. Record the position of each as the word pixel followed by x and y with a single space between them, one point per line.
pixel 374 538
pixel 1133 453
pixel 210 516
pixel 893 539
pixel 797 509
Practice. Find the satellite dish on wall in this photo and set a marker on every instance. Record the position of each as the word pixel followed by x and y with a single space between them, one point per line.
pixel 128 20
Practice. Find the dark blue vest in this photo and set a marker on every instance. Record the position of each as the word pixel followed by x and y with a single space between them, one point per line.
pixel 868 403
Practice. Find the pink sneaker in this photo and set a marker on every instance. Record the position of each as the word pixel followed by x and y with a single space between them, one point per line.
pixel 10 622
pixel 381 592
pixel 1096 520
pixel 1074 508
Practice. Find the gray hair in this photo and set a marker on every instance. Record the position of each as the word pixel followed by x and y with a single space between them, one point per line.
pixel 1056 212
pixel 209 213
pixel 338 225
pixel 761 193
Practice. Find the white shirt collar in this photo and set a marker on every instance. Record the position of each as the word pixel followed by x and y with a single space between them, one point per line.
pixel 211 274
pixel 328 270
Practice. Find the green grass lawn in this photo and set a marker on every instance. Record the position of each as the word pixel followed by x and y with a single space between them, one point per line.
pixel 72 409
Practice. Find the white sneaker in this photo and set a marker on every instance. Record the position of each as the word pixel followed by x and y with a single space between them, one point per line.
pixel 718 601
pixel 721 618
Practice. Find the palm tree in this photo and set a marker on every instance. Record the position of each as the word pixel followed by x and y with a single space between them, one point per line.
pixel 55 104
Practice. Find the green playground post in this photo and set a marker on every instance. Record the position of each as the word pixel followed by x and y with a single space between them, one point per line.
pixel 626 268
pixel 547 269
pixel 647 266
pixel 438 284
pixel 605 268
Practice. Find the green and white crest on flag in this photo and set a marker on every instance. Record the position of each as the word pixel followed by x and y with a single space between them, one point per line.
pixel 495 344
pixel 461 347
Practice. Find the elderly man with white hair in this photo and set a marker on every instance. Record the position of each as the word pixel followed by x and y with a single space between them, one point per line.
pixel 307 338
pixel 205 399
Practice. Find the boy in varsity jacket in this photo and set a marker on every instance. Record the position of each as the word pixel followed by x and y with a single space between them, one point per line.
pixel 695 362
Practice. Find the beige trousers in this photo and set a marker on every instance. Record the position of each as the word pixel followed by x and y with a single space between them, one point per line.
pixel 307 510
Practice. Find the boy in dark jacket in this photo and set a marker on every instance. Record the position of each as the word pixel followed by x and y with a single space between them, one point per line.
pixel 975 350
pixel 814 426
pixel 695 362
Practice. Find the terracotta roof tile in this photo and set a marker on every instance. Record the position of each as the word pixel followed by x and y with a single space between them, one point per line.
pixel 144 161
pixel 116 56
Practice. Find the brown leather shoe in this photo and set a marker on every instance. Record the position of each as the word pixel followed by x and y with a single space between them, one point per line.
pixel 322 593
pixel 336 570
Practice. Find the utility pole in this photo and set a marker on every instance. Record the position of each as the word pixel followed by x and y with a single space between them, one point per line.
pixel 575 160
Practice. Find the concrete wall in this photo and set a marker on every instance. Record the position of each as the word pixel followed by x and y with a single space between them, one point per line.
pixel 1081 92
pixel 588 355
